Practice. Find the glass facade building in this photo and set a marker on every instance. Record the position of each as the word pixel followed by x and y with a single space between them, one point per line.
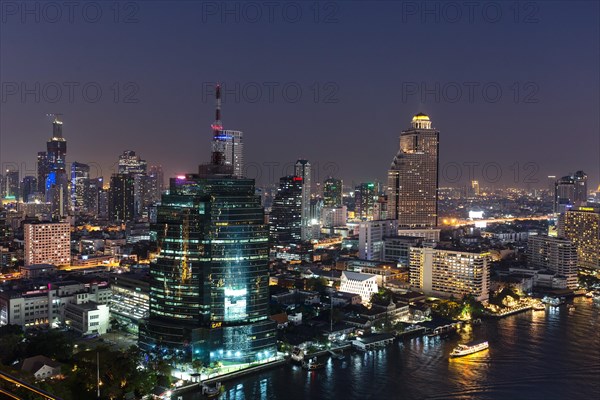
pixel 209 294
pixel 286 213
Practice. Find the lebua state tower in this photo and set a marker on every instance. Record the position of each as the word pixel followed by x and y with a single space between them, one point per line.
pixel 413 176
pixel 209 293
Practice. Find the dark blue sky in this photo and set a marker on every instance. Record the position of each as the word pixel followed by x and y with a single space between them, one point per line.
pixel 364 69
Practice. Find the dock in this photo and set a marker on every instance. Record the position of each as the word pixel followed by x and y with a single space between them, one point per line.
pixel 370 342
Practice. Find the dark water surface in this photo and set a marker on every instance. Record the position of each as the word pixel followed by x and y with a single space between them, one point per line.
pixel 532 355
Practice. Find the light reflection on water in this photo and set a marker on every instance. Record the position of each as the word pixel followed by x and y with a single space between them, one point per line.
pixel 532 355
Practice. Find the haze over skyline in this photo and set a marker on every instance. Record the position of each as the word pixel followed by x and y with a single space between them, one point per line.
pixel 155 67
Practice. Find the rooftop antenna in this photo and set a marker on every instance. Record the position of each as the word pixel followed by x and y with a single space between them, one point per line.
pixel 56 117
pixel 218 154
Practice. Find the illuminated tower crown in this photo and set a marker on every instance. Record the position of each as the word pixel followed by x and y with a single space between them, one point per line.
pixel 421 121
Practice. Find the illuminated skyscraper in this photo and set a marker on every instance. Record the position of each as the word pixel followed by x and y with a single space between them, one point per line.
pixel 302 170
pixel 285 221
pixel 43 169
pixel 80 174
pixel 332 192
pixel 475 188
pixel 91 197
pixel 570 191
pixel 131 164
pixel 413 176
pixel 57 182
pixel 233 150
pixel 209 294
pixel 582 228
pixel 157 172
pixel 121 206
pixel 29 186
pixel 12 185
pixel 364 201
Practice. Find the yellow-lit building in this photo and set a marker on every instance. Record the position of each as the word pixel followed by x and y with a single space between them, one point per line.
pixel 446 273
pixel 582 228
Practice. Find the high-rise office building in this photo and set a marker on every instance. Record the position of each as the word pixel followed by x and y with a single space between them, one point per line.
pixel 131 163
pixel 156 171
pixel 285 220
pixel 47 243
pixel 80 174
pixel 91 194
pixel 475 188
pixel 29 186
pixel 556 254
pixel 302 170
pixel 57 182
pixel 332 192
pixel 365 197
pixel 209 290
pixel 121 198
pixel 43 169
pixel 103 203
pixel 570 192
pixel 446 273
pixel 582 228
pixel 413 176
pixel 12 184
pixel 233 151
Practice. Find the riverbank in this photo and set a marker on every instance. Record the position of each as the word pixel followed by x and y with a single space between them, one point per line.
pixel 511 368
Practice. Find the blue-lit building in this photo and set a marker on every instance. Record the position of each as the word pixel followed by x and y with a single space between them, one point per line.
pixel 209 286
pixel 57 182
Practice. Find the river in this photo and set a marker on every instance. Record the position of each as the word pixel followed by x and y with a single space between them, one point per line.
pixel 532 355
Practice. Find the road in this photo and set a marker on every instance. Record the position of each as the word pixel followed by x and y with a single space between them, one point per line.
pixel 16 381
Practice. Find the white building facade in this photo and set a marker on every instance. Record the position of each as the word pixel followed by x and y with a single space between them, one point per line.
pixel 357 283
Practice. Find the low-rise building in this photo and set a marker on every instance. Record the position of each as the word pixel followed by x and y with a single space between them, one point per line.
pixel 41 367
pixel 130 300
pixel 362 284
pixel 44 306
pixel 37 270
pixel 87 317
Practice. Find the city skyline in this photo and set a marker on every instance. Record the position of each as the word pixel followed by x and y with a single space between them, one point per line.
pixel 299 199
pixel 452 174
pixel 377 102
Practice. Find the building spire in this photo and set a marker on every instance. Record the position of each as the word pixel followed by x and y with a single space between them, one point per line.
pixel 217 125
pixel 218 154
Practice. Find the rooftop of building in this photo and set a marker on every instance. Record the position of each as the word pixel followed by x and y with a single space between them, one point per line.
pixel 358 276
pixel 87 306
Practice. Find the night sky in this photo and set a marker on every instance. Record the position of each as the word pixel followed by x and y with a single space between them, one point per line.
pixel 360 66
